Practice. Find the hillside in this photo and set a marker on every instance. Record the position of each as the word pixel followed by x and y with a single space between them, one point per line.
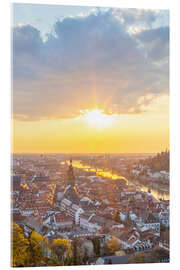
pixel 160 162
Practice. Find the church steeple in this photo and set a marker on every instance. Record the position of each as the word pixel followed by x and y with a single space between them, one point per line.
pixel 71 177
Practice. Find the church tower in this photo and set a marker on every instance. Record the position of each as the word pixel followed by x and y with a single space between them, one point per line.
pixel 71 178
pixel 70 192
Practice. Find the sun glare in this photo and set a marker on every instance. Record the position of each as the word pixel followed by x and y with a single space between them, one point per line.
pixel 96 117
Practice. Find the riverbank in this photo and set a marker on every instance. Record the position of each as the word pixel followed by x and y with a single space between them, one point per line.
pixel 156 192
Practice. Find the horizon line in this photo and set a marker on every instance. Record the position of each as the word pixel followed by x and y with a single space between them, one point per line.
pixel 86 153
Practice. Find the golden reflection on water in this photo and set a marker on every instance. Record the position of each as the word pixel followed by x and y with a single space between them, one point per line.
pixel 98 171
pixel 107 174
pixel 156 193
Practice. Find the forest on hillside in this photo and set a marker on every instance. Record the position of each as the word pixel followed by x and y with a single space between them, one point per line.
pixel 160 162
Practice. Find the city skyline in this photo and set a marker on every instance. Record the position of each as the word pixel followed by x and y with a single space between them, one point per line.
pixel 90 158
pixel 97 83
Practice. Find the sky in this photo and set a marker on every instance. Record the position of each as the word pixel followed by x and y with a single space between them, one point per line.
pixel 89 80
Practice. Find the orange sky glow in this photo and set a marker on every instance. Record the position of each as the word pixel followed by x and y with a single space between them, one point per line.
pixel 96 132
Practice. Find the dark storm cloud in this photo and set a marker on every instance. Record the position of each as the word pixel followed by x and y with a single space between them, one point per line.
pixel 88 61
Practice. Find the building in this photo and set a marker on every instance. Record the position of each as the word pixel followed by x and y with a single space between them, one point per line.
pixel 149 221
pixel 41 179
pixel 69 200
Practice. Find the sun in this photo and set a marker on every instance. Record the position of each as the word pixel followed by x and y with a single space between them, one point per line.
pixel 96 117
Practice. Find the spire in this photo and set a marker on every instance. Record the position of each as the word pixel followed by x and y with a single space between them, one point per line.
pixel 71 177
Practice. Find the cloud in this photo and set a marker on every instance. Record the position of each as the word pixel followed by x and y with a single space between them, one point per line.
pixel 156 42
pixel 27 51
pixel 137 16
pixel 88 61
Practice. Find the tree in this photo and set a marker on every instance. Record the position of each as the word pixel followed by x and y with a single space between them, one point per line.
pixel 85 256
pixel 131 201
pixel 78 252
pixel 61 250
pixel 75 251
pixel 87 250
pixel 160 253
pixel 139 257
pixel 117 217
pixel 35 247
pixel 96 243
pixel 36 251
pixel 20 247
pixel 163 228
pixel 112 246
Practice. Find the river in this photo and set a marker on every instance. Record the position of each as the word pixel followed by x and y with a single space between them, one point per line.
pixel 156 192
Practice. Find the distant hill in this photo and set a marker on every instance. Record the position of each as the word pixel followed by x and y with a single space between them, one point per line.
pixel 160 162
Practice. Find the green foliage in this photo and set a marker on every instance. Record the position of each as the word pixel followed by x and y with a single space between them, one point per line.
pixel 27 251
pixel 20 247
pixel 36 250
pixel 61 250
pixel 75 252
pixel 158 163
pixel 131 201
pixel 96 244
pixel 112 246
pixel 35 247
pixel 160 253
pixel 163 228
pixel 139 257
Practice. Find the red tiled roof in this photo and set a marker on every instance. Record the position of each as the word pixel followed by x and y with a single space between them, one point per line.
pixel 63 218
pixel 133 240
